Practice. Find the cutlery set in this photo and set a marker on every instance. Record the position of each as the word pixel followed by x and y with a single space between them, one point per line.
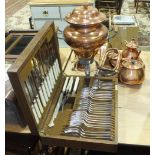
pixel 68 111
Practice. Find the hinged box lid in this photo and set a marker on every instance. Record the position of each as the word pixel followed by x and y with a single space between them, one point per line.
pixel 34 75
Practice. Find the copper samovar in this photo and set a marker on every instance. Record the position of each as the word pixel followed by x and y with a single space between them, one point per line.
pixel 85 34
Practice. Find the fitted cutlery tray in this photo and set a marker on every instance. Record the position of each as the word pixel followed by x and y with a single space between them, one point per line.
pixel 55 135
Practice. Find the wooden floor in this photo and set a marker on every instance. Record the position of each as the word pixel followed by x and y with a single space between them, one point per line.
pixel 12 6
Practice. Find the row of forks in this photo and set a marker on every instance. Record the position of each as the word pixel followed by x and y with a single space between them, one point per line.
pixel 93 116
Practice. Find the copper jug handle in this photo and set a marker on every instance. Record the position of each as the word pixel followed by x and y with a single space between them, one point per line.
pixel 116 68
pixel 138 54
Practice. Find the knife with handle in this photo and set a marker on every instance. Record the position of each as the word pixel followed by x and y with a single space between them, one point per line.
pixel 59 102
pixel 76 85
pixel 69 86
pixel 67 92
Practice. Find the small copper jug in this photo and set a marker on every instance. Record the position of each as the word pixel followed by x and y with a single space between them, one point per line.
pixel 131 50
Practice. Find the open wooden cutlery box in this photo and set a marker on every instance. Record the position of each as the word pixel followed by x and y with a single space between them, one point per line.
pixel 38 81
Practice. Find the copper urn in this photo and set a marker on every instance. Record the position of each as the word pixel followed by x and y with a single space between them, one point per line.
pixel 85 34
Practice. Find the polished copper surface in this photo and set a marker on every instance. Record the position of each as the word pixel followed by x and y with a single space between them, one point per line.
pixel 85 15
pixel 132 72
pixel 85 34
pixel 85 41
pixel 118 60
pixel 131 50
pixel 112 56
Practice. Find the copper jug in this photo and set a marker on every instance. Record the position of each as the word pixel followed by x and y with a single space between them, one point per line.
pixel 85 34
pixel 131 50
pixel 112 56
pixel 132 72
pixel 105 69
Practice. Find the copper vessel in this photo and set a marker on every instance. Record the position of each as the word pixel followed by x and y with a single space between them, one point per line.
pixel 132 72
pixel 105 69
pixel 85 34
pixel 131 51
pixel 112 56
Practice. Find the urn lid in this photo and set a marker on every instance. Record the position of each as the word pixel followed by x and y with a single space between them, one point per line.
pixel 85 15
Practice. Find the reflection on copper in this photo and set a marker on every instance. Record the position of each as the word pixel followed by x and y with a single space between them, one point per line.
pixel 131 50
pixel 132 72
pixel 85 34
